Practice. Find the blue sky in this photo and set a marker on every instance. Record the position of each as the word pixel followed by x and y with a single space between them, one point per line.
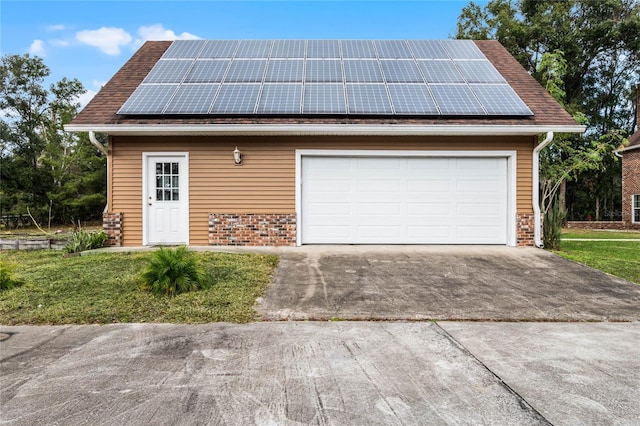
pixel 91 40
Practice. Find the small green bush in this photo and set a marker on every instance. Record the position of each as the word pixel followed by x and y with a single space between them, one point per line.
pixel 552 228
pixel 173 271
pixel 8 279
pixel 82 240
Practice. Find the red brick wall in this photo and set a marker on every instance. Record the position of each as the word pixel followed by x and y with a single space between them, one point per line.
pixel 227 229
pixel 112 225
pixel 524 230
pixel 630 184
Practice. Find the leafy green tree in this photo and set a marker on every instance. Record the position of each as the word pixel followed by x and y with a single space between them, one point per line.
pixel 587 55
pixel 56 175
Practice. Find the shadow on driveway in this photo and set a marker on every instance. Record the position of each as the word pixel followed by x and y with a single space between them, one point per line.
pixel 443 283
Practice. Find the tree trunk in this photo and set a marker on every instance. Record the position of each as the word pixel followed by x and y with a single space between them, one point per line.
pixel 597 208
pixel 562 194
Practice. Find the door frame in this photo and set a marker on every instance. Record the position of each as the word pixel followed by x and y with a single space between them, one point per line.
pixel 145 191
pixel 511 157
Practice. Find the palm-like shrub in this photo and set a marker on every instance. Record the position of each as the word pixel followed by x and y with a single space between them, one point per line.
pixel 552 228
pixel 173 271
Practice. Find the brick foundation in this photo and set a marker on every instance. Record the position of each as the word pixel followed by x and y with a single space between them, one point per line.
pixel 630 184
pixel 112 225
pixel 525 230
pixel 267 229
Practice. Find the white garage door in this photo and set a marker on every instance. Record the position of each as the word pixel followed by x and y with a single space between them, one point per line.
pixel 398 200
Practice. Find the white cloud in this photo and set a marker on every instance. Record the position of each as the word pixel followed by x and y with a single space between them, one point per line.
pixel 58 27
pixel 86 97
pixel 107 39
pixel 59 42
pixel 37 48
pixel 159 32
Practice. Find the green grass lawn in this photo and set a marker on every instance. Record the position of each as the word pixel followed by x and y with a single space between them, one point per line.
pixel 619 258
pixel 599 234
pixel 103 288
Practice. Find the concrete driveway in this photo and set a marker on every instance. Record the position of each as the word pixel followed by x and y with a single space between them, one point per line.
pixel 443 283
pixel 329 373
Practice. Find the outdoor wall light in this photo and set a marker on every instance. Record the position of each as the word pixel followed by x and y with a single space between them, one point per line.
pixel 237 157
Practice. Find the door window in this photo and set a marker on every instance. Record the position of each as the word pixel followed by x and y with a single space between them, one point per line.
pixel 635 209
pixel 167 181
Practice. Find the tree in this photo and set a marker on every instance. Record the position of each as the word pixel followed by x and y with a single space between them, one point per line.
pixel 587 54
pixel 56 175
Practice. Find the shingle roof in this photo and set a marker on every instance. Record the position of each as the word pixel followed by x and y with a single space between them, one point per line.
pixel 102 110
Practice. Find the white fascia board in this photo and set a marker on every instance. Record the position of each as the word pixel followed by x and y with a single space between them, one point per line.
pixel 320 129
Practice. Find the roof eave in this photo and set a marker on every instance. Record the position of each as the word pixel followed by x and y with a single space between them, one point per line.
pixel 322 129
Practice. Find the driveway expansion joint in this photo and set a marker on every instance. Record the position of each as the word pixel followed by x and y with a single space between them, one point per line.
pixel 524 404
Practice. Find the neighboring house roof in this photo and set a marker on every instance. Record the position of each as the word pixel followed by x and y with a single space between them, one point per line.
pixel 101 113
pixel 634 142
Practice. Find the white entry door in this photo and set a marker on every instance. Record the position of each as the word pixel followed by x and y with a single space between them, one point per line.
pixel 404 200
pixel 166 199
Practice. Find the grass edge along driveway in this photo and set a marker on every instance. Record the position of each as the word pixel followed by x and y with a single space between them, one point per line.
pixel 619 258
pixel 103 288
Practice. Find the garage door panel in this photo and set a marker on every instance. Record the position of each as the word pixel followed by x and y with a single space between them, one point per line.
pixel 397 200
pixel 421 164
pixel 429 233
pixel 428 185
pixel 391 232
pixel 377 209
pixel 478 209
pixel 331 209
pixel 378 185
pixel 477 233
pixel 425 210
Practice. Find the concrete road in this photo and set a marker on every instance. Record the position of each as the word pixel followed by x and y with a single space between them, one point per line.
pixel 340 373
pixel 443 283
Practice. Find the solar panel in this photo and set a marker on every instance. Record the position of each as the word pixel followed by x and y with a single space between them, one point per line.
pixel 401 71
pixel 368 99
pixel 456 99
pixel 288 49
pixel 208 71
pixel 324 99
pixel 393 49
pixel 323 71
pixel 188 49
pixel 253 49
pixel 362 71
pixel 358 49
pixel 428 49
pixel 284 70
pixel 416 77
pixel 280 99
pixel 412 99
pixel 462 49
pixel 440 72
pixel 479 72
pixel 500 99
pixel 236 99
pixel 148 99
pixel 323 49
pixel 245 71
pixel 218 49
pixel 168 71
pixel 192 99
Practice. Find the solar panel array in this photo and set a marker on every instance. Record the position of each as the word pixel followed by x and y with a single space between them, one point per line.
pixel 334 77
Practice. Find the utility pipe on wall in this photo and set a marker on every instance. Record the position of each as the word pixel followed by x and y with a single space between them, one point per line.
pixel 97 144
pixel 536 188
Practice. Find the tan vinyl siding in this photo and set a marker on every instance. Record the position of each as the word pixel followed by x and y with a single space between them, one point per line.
pixel 265 183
